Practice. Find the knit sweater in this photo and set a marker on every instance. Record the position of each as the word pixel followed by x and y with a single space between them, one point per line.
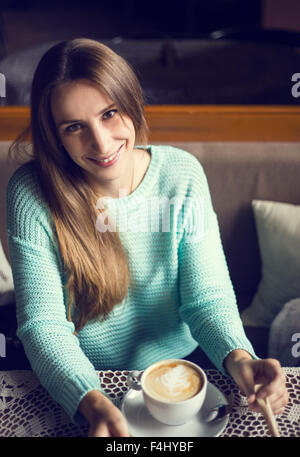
pixel 180 295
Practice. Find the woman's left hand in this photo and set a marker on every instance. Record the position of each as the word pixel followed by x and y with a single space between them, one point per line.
pixel 248 372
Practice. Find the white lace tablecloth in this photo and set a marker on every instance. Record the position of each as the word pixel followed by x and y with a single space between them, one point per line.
pixel 27 410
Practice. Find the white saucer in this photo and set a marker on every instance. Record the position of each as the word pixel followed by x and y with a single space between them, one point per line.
pixel 142 424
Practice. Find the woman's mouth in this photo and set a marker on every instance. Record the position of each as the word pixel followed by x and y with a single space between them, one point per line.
pixel 111 160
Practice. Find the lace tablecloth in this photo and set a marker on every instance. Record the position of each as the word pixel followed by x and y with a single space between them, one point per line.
pixel 26 409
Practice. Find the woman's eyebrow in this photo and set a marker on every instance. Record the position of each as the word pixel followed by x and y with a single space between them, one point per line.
pixel 78 120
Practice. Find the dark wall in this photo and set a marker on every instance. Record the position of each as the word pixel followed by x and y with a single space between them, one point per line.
pixel 155 18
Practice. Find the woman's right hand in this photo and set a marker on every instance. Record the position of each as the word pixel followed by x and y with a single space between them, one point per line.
pixel 104 418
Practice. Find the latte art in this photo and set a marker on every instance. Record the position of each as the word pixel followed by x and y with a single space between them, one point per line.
pixel 173 382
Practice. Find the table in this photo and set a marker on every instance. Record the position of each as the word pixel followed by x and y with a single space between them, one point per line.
pixel 26 409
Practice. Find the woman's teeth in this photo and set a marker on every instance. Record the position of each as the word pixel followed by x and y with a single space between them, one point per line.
pixel 109 159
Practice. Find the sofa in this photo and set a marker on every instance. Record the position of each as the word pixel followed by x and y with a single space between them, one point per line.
pixel 238 174
pixel 220 71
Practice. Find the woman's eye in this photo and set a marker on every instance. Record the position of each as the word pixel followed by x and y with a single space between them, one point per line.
pixel 109 114
pixel 72 128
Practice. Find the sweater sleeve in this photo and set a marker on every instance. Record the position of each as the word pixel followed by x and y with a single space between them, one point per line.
pixel 208 302
pixel 46 334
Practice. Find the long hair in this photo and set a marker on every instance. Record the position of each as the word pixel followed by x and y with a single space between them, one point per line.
pixel 95 264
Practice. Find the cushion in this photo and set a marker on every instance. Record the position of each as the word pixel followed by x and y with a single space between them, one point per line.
pixel 278 231
pixel 238 173
pixel 284 335
pixel 7 295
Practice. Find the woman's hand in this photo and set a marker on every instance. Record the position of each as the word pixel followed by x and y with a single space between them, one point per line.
pixel 104 418
pixel 248 372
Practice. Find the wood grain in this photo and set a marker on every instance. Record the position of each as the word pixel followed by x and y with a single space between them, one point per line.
pixel 194 123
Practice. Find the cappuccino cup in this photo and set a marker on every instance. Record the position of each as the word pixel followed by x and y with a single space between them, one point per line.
pixel 173 390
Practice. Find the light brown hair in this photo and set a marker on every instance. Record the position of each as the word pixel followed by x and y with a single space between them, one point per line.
pixel 95 263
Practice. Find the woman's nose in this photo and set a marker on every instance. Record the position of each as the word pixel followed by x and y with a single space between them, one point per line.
pixel 100 140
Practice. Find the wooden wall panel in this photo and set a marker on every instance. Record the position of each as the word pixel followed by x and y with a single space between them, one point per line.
pixel 195 122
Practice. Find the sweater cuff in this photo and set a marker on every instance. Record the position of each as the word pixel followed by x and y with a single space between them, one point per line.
pixel 230 345
pixel 73 392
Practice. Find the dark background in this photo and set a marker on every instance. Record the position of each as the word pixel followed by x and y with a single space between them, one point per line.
pixel 129 19
pixel 185 52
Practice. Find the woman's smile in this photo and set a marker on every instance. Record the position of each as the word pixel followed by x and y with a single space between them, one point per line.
pixel 109 161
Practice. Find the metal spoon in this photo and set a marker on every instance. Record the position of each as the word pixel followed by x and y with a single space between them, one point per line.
pixel 218 412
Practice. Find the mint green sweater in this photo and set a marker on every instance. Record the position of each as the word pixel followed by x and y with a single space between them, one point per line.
pixel 180 295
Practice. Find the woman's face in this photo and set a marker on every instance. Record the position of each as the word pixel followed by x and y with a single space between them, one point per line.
pixel 94 135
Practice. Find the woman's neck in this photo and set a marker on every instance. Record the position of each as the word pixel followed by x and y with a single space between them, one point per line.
pixel 126 185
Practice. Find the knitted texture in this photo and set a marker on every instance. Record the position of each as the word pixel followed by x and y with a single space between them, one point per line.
pixel 180 294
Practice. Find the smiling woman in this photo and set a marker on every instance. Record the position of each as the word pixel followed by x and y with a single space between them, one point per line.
pixel 100 141
pixel 74 88
pixel 90 299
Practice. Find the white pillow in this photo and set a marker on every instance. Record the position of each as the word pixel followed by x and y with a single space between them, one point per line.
pixel 283 339
pixel 278 231
pixel 7 294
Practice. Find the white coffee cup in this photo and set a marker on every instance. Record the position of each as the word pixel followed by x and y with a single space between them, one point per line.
pixel 174 390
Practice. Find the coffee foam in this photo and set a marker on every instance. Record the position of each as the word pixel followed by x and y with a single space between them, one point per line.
pixel 173 382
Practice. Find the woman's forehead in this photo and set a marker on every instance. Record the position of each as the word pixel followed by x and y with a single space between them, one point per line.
pixel 78 96
pixel 80 87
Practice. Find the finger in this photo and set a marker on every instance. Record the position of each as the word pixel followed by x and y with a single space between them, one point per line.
pixel 276 375
pixel 251 399
pixel 119 427
pixel 245 379
pixel 256 409
pixel 99 430
pixel 277 403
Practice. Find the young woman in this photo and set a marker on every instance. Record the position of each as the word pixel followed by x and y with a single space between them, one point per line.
pixel 115 246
